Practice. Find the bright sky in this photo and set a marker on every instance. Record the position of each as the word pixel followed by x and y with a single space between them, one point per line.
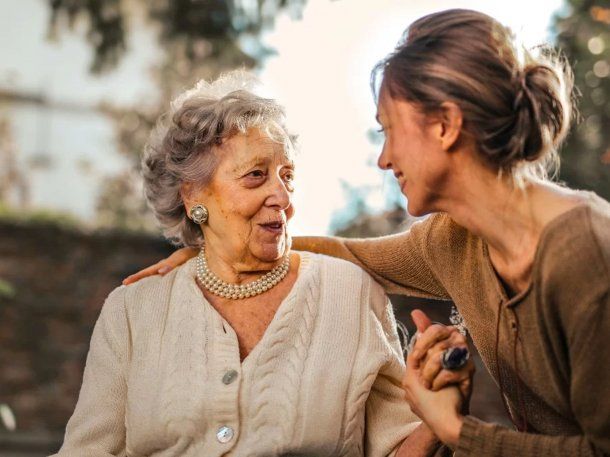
pixel 320 73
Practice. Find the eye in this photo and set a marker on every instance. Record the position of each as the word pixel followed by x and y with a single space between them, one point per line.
pixel 289 176
pixel 256 174
pixel 380 130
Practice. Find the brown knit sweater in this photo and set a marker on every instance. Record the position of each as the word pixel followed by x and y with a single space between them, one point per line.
pixel 551 355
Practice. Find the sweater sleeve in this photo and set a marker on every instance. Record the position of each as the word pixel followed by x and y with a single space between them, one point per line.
pixel 398 262
pixel 589 354
pixel 97 427
pixel 389 419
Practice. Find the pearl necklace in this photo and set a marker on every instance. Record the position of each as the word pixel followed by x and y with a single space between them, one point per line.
pixel 217 286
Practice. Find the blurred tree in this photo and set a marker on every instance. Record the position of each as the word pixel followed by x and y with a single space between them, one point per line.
pixel 584 35
pixel 199 39
pixel 120 204
pixel 204 28
pixel 14 187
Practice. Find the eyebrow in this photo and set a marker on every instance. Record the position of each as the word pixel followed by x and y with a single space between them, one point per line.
pixel 377 117
pixel 257 160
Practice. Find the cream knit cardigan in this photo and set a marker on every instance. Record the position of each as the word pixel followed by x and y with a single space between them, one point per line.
pixel 323 381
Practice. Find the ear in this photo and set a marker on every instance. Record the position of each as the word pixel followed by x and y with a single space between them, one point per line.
pixel 187 195
pixel 451 125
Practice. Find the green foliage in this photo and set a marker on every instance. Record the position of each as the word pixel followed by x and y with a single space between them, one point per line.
pixel 584 35
pixel 208 29
pixel 40 216
pixel 6 289
pixel 106 27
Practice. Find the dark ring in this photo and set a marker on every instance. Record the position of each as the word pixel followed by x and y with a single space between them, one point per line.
pixel 454 358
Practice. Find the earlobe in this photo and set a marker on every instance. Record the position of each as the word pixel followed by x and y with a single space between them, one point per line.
pixel 451 125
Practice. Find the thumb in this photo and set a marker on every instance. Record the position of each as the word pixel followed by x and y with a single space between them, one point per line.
pixel 421 320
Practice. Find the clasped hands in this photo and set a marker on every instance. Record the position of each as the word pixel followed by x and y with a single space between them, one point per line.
pixel 438 396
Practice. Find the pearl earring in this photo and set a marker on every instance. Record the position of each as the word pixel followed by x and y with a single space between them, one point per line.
pixel 199 214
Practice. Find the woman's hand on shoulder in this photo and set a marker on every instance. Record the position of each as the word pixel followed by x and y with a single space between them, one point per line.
pixel 163 266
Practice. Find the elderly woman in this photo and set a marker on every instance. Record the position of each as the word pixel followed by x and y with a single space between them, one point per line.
pixel 248 349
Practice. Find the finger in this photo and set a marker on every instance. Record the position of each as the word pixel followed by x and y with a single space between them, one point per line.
pixel 431 363
pixel 466 388
pixel 461 377
pixel 454 340
pixel 148 271
pixel 411 364
pixel 431 366
pixel 180 256
pixel 457 339
pixel 433 334
pixel 432 352
pixel 447 377
pixel 421 320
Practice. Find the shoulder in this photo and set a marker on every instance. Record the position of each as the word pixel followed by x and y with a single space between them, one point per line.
pixel 154 295
pixel 574 254
pixel 151 288
pixel 439 234
pixel 599 220
pixel 448 235
pixel 448 243
pixel 339 271
pixel 346 282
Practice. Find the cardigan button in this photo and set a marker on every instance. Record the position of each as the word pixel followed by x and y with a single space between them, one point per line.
pixel 229 377
pixel 224 434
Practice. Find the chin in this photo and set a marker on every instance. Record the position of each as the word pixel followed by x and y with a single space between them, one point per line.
pixel 416 210
pixel 272 251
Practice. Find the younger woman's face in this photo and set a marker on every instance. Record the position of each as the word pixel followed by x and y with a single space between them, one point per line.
pixel 412 151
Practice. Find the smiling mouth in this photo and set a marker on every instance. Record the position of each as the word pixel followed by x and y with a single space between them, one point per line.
pixel 273 227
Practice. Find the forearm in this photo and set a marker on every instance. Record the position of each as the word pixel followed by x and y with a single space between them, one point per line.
pixel 420 443
pixel 489 440
pixel 396 262
pixel 328 245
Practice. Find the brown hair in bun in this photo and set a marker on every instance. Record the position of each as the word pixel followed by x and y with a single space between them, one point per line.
pixel 516 106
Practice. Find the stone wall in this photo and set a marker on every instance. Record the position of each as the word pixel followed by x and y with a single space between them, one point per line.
pixel 54 282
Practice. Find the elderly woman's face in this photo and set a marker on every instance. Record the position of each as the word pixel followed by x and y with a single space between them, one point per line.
pixel 250 198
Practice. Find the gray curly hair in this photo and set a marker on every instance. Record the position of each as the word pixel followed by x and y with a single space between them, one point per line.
pixel 180 147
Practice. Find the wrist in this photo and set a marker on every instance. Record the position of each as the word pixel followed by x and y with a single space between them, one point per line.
pixel 450 431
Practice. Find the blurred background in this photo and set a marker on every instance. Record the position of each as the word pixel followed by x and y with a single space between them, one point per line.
pixel 83 81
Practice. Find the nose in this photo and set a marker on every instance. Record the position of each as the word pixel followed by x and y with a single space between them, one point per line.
pixel 383 161
pixel 279 197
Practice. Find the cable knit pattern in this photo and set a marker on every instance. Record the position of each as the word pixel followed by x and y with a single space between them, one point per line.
pixel 294 327
pixel 186 366
pixel 324 380
pixel 354 426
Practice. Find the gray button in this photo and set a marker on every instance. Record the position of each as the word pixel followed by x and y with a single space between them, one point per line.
pixel 229 377
pixel 224 434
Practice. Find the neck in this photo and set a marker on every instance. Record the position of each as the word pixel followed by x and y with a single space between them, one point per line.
pixel 508 218
pixel 236 268
pixel 500 213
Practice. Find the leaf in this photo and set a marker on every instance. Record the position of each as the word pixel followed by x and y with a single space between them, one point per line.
pixel 6 289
